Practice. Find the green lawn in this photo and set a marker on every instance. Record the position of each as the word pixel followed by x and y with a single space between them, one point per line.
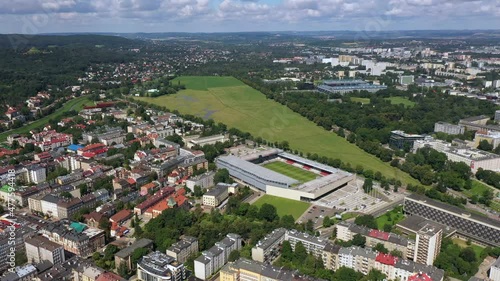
pixel 401 100
pixel 74 104
pixel 284 206
pixel 361 100
pixel 291 171
pixel 228 100
pixel 391 217
pixel 462 243
pixel 478 188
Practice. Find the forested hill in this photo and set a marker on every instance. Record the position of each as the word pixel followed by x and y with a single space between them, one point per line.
pixel 22 42
pixel 38 61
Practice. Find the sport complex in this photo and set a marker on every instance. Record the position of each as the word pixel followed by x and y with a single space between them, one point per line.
pixel 251 169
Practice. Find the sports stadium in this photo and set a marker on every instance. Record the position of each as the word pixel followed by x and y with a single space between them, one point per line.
pixel 285 175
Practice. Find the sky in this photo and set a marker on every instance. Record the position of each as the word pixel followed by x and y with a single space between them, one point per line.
pixel 53 16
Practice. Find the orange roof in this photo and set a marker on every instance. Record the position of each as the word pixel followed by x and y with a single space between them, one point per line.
pixel 93 146
pixel 149 185
pixel 121 216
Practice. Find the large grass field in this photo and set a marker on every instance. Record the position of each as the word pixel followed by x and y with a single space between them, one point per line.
pixel 401 100
pixel 228 100
pixel 74 104
pixel 291 171
pixel 284 206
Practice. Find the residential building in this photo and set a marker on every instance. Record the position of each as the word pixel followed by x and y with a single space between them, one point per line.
pixel 124 255
pixel 183 249
pixel 268 248
pixel 481 229
pixel 214 258
pixel 20 235
pixel 110 276
pixel 428 244
pixel 391 241
pixel 205 180
pixel 76 238
pixel 175 200
pixel 244 269
pixel 331 256
pixel 39 248
pixel 402 140
pixel 448 128
pixel 20 273
pixel 357 258
pixel 492 138
pixel 495 270
pixel 215 196
pixel 159 195
pixel 314 245
pixel 160 267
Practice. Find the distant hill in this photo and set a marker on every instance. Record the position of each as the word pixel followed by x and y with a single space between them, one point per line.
pixel 26 42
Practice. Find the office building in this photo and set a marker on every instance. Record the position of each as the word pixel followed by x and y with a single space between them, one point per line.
pixel 492 138
pixel 157 266
pixel 39 248
pixel 402 140
pixel 215 196
pixel 495 271
pixel 183 249
pixel 428 244
pixel 268 248
pixel 205 180
pixel 447 128
pixel 481 229
pixel 214 258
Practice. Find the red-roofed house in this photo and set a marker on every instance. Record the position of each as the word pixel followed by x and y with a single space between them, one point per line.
pixel 109 276
pixel 91 148
pixel 145 188
pixel 379 234
pixel 420 277
pixel 159 195
pixel 178 199
pixel 121 216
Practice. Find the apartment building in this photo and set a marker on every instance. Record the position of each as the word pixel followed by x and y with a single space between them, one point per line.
pixel 391 241
pixel 244 269
pixel 428 244
pixel 357 258
pixel 183 249
pixel 39 248
pixel 76 238
pixel 205 180
pixel 268 248
pixel 160 267
pixel 214 258
pixel 313 244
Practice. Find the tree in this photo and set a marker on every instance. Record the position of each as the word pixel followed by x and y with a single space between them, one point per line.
pixel 468 255
pixel 327 222
pixel 368 185
pixel 268 212
pixel 396 253
pixel 485 145
pixel 222 175
pixel 366 220
pixel 358 240
pixel 234 255
pixel 374 275
pixel 286 251
pixel 381 248
pixel 300 253
pixel 287 221
pixel 66 194
pixel 137 255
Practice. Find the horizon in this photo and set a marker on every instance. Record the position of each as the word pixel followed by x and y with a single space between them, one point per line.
pixel 230 16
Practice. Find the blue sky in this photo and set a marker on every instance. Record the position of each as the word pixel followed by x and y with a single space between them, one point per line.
pixel 42 16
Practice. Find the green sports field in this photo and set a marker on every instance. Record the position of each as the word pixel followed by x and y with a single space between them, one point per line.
pixel 291 171
pixel 401 100
pixel 228 100
pixel 284 206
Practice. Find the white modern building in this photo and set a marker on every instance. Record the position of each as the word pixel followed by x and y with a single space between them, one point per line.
pixel 428 244
pixel 495 271
pixel 157 266
pixel 39 248
pixel 214 258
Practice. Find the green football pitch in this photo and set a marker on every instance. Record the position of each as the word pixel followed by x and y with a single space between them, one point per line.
pixel 291 171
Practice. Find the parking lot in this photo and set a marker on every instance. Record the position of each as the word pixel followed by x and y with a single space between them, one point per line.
pixel 317 213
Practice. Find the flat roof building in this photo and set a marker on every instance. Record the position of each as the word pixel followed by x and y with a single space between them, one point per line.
pixel 348 86
pixel 483 230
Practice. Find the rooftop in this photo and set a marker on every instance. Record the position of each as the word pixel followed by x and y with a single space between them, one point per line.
pixel 141 243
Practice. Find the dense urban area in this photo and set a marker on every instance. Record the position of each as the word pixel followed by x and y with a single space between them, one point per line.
pixel 250 156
